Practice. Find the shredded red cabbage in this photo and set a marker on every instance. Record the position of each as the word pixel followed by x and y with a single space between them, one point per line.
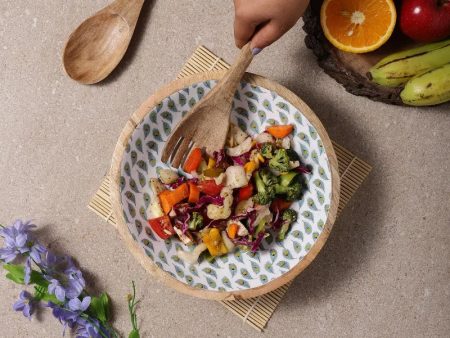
pixel 185 226
pixel 206 199
pixel 303 169
pixel 177 183
pixel 183 208
pixel 242 241
pixel 277 221
pixel 221 159
pixel 239 217
pixel 217 223
pixel 251 221
pixel 241 159
pixel 257 242
pixel 250 215
pixel 253 245
pixel 180 181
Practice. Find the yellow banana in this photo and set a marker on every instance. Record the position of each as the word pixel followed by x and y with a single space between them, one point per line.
pixel 430 88
pixel 396 69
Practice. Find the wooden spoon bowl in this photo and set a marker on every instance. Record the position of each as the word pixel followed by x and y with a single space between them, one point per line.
pixel 96 47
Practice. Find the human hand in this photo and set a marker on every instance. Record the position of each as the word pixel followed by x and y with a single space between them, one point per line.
pixel 265 21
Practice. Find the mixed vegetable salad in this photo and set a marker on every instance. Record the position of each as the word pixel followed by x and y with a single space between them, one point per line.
pixel 236 197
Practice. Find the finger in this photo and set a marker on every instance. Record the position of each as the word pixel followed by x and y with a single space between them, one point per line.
pixel 243 30
pixel 267 34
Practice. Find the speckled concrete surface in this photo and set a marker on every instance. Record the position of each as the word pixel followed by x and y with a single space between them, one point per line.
pixel 385 270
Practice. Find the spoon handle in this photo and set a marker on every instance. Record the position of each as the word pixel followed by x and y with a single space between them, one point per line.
pixel 232 78
pixel 128 9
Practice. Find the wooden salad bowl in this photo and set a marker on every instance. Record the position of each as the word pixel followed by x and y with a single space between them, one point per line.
pixel 131 220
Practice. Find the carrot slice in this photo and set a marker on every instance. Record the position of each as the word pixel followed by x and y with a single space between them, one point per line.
pixel 164 198
pixel 194 193
pixel 193 161
pixel 169 198
pixel 232 230
pixel 280 131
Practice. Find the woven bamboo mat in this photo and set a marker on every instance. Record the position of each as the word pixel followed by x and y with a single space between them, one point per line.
pixel 256 312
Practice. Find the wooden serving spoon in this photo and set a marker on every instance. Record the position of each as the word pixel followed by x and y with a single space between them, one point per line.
pixel 96 47
pixel 206 125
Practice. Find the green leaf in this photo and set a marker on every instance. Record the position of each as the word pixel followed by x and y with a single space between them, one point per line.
pixel 16 273
pixel 134 334
pixel 99 307
pixel 105 301
pixel 41 293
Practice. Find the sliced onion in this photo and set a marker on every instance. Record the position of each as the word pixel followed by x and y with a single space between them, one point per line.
pixel 228 243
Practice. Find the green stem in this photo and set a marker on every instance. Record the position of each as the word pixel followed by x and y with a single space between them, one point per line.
pixel 40 268
pixel 111 330
pixel 132 308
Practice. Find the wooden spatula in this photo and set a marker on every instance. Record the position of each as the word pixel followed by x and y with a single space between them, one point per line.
pixel 206 125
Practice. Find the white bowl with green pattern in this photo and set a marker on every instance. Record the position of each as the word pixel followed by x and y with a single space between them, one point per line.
pixel 257 104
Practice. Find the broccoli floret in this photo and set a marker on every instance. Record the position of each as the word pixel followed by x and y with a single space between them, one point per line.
pixel 196 221
pixel 265 185
pixel 290 186
pixel 281 160
pixel 287 178
pixel 268 177
pixel 267 150
pixel 289 216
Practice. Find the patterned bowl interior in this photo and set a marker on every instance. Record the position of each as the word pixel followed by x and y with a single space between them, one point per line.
pixel 254 108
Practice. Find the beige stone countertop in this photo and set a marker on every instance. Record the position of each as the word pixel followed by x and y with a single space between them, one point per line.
pixel 385 270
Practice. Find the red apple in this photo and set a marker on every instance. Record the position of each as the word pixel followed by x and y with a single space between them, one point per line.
pixel 425 20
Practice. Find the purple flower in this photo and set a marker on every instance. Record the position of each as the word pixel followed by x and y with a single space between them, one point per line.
pixel 77 305
pixel 90 329
pixel 36 252
pixel 65 316
pixel 18 241
pixel 73 317
pixel 52 263
pixel 66 281
pixel 69 285
pixel 26 304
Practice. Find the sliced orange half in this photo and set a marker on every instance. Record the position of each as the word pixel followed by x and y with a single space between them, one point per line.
pixel 358 26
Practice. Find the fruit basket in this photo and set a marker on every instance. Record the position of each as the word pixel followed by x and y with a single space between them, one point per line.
pixel 349 69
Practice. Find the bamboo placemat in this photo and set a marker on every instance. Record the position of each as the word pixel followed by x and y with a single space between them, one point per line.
pixel 256 312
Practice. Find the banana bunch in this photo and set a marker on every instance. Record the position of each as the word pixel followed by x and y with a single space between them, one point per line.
pixel 425 70
pixel 427 89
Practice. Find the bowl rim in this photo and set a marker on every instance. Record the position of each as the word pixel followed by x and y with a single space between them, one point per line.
pixel 115 172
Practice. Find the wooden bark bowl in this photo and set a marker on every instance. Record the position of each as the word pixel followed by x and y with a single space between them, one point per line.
pixel 137 251
pixel 349 69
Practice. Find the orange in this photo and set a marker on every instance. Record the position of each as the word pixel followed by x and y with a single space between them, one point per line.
pixel 358 26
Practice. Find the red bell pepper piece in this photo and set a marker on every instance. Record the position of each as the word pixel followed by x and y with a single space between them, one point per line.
pixel 209 187
pixel 245 192
pixel 162 226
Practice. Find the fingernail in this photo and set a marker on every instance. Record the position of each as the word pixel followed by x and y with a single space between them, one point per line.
pixel 256 51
